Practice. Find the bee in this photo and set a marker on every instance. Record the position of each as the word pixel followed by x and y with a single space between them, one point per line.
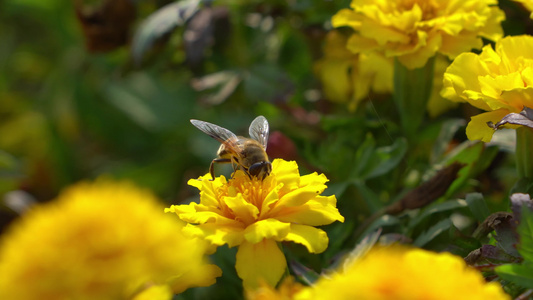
pixel 246 154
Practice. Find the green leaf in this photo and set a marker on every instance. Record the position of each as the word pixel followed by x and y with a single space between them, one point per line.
pixel 518 274
pixel 161 22
pixel 525 230
pixel 436 208
pixel 370 198
pixel 446 134
pixel 412 89
pixel 432 232
pixel 387 158
pixel 383 221
pixel 362 156
pixel 478 206
pixel 372 162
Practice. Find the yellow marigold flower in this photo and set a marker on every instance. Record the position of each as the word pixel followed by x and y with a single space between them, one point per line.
pixel 415 30
pixel 347 77
pixel 255 215
pixel 101 240
pixel 499 81
pixel 404 273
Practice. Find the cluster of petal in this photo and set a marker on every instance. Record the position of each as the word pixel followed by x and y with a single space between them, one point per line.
pixel 398 272
pixel 415 30
pixel 101 240
pixel 256 214
pixel 499 81
pixel 347 77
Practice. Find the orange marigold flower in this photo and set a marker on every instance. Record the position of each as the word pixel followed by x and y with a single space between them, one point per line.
pixel 255 214
pixel 415 30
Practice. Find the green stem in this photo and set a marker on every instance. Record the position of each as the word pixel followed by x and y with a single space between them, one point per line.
pixel 412 89
pixel 524 152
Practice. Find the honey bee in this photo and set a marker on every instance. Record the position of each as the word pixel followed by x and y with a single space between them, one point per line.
pixel 246 154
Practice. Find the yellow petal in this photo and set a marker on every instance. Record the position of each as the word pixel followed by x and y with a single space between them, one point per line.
pixel 518 98
pixel 266 229
pixel 286 172
pixel 263 261
pixel 204 276
pixel 455 45
pixel 345 17
pixel 456 83
pixel 217 234
pixel 314 239
pixel 243 210
pixel 335 80
pixel 478 129
pixel 300 196
pixel 155 292
pixel 317 212
pixel 359 44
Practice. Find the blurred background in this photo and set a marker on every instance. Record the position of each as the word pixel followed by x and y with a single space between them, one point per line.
pixel 107 87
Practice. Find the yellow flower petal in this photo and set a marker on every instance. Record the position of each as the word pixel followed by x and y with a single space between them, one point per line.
pixel 266 229
pixel 218 234
pixel 402 273
pixel 320 211
pixel 314 239
pixel 477 128
pixel 244 211
pixel 263 261
pixel 345 17
pixel 253 214
pixel 413 31
pixel 155 292
pixel 98 240
pixel 497 80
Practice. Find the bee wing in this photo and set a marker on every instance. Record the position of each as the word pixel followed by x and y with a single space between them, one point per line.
pixel 218 133
pixel 259 130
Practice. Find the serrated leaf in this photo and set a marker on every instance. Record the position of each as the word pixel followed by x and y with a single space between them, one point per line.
pixel 432 232
pixel 477 206
pixel 161 22
pixel 518 274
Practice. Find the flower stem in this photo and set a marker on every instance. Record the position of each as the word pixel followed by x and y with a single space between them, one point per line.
pixel 524 152
pixel 412 89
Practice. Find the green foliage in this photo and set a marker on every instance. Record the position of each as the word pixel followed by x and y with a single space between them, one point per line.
pixel 71 114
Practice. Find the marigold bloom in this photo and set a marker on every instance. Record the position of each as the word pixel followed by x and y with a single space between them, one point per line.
pixel 102 240
pixel 415 30
pixel 255 215
pixel 404 273
pixel 499 81
pixel 347 77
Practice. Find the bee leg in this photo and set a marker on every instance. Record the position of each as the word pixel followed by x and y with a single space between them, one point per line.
pixel 212 166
